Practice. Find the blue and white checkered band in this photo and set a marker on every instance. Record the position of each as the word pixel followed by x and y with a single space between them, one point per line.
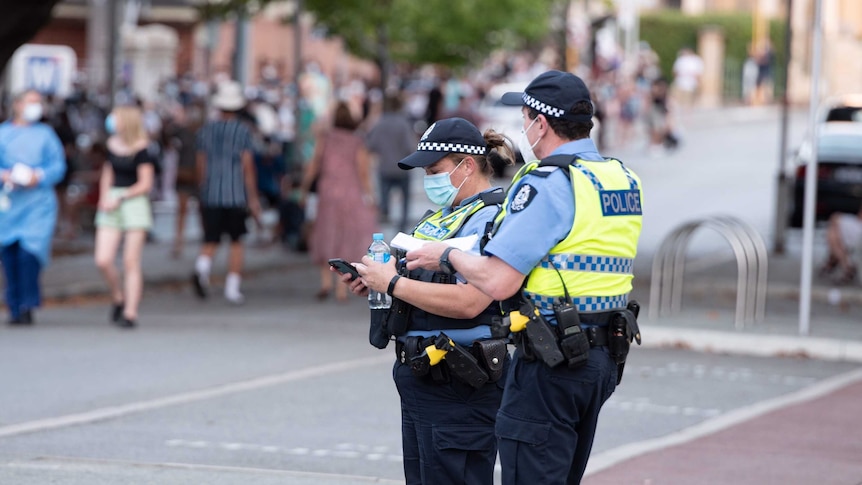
pixel 588 263
pixel 542 107
pixel 585 304
pixel 597 184
pixel 450 148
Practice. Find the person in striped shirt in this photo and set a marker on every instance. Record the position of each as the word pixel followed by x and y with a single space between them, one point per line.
pixel 228 191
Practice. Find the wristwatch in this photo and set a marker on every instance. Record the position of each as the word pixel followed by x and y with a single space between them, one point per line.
pixel 446 265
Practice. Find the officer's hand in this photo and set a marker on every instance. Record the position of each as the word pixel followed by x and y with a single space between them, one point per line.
pixel 356 286
pixel 426 257
pixel 376 275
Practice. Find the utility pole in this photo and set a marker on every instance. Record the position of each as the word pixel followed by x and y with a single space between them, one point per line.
pixel 298 141
pixel 782 188
pixel 240 53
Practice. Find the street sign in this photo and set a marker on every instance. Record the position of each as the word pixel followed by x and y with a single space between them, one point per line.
pixel 49 69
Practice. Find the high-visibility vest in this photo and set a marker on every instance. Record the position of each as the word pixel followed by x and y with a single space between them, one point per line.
pixel 593 263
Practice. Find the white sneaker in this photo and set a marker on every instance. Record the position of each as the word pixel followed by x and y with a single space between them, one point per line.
pixel 234 298
pixel 231 289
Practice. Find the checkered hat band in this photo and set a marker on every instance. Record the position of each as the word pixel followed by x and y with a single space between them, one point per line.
pixel 588 263
pixel 542 107
pixel 585 304
pixel 450 148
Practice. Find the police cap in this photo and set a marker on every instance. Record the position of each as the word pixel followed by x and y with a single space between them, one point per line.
pixel 554 94
pixel 452 135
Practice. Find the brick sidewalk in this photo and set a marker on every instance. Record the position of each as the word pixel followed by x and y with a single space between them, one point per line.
pixel 818 441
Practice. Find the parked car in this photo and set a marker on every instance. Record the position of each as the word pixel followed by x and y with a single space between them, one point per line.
pixel 839 172
pixel 842 108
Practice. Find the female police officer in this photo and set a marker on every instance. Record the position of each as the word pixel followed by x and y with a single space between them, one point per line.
pixel 448 410
pixel 571 227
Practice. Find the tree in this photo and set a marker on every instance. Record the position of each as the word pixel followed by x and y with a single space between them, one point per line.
pixel 217 9
pixel 21 20
pixel 451 33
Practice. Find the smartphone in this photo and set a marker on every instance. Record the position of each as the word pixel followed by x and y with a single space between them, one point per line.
pixel 344 267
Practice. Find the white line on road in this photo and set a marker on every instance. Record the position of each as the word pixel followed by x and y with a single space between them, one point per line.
pixel 254 384
pixel 611 457
pixel 342 450
pixel 90 465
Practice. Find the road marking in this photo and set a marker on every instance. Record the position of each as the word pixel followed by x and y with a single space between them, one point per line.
pixel 644 405
pixel 341 450
pixel 254 384
pixel 96 464
pixel 730 374
pixel 611 457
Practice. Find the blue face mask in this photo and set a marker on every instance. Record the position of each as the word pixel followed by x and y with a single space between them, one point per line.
pixel 439 188
pixel 111 124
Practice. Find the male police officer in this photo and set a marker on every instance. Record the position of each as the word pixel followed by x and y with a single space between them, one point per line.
pixel 571 227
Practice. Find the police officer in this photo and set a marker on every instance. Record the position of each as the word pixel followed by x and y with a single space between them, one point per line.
pixel 448 408
pixel 571 227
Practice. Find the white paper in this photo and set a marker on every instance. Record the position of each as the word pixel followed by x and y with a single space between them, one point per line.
pixel 409 243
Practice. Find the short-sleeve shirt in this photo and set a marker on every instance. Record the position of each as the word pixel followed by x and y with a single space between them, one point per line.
pixel 528 233
pixel 223 142
pixel 125 167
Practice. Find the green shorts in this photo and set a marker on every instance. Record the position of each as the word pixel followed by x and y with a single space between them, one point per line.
pixel 133 213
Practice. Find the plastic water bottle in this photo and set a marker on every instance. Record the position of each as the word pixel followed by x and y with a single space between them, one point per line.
pixel 379 252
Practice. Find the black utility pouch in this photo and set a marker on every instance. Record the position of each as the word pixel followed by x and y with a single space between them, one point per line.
pixel 378 334
pixel 576 347
pixel 522 343
pixel 399 317
pixel 619 339
pixel 492 355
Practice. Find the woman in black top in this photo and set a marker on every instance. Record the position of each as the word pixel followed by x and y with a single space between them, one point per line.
pixel 124 209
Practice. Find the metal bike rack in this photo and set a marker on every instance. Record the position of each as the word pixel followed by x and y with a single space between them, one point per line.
pixel 668 268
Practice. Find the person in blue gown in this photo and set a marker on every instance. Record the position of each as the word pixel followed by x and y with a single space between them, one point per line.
pixel 31 164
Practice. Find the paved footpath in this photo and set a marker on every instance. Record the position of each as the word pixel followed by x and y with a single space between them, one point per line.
pixel 810 438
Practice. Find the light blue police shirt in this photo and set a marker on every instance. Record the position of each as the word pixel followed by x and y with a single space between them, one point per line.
pixel 529 232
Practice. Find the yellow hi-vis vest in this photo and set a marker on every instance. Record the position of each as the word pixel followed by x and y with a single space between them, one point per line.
pixel 437 227
pixel 594 261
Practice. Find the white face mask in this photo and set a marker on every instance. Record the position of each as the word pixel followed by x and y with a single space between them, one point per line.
pixel 32 112
pixel 524 143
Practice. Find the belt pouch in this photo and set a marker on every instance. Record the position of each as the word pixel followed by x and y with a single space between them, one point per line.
pixel 492 355
pixel 378 335
pixel 399 317
pixel 575 346
pixel 543 341
pixel 619 339
pixel 407 349
pixel 466 367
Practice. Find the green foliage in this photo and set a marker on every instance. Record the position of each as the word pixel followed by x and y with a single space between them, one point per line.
pixel 218 9
pixel 436 31
pixel 669 31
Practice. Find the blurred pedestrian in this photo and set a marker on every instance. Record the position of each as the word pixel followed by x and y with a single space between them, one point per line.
pixel 124 211
pixel 31 164
pixel 565 247
pixel 346 212
pixel 687 72
pixel 444 403
pixel 392 139
pixel 179 132
pixel 659 119
pixel 844 237
pixel 228 192
pixel 765 69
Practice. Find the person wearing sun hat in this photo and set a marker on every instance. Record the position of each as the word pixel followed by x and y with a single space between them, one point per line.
pixel 447 416
pixel 566 245
pixel 228 190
